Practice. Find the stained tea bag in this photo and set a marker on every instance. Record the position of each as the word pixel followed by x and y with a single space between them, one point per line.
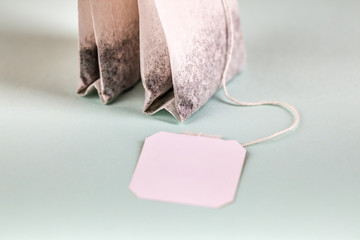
pixel 183 50
pixel 109 47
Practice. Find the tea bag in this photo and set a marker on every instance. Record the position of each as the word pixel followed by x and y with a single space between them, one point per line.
pixel 183 50
pixel 109 47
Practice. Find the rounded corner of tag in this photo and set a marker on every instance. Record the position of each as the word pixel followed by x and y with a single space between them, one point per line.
pixel 243 149
pixel 134 191
pixel 157 134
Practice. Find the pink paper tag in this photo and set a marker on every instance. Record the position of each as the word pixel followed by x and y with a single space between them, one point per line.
pixel 185 169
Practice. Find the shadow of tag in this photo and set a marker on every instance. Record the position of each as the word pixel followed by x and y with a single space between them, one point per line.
pixel 191 170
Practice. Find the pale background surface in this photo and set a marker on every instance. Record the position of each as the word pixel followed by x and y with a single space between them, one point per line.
pixel 66 161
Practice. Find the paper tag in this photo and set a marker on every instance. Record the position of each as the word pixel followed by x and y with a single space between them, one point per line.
pixel 185 169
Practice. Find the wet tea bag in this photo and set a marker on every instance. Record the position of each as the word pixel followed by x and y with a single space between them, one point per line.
pixel 183 51
pixel 109 47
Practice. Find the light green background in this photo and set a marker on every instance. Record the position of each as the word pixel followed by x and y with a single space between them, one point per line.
pixel 66 161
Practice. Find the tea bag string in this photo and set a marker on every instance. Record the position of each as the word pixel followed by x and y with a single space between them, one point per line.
pixel 291 109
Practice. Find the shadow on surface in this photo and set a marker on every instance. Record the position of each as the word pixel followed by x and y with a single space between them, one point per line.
pixel 48 65
pixel 40 63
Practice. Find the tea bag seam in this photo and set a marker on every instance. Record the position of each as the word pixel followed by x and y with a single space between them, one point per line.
pixel 291 109
pixel 98 84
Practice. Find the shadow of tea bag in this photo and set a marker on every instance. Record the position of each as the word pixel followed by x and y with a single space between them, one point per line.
pixel 183 51
pixel 109 47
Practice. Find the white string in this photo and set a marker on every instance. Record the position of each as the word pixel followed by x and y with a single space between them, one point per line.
pixel 293 111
